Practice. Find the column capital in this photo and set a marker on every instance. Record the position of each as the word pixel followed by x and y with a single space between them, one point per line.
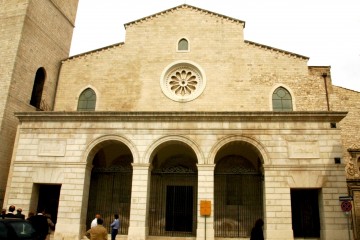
pixel 141 166
pixel 206 167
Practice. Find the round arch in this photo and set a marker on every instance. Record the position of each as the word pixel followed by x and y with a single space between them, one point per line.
pixel 258 146
pixel 98 143
pixel 173 186
pixel 238 185
pixel 151 151
pixel 117 177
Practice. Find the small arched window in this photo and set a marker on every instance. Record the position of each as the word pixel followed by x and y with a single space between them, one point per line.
pixel 281 100
pixel 87 100
pixel 183 45
pixel 38 88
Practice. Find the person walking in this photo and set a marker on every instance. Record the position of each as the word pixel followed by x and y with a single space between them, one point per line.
pixel 94 221
pixel 98 232
pixel 51 226
pixel 40 224
pixel 257 230
pixel 115 226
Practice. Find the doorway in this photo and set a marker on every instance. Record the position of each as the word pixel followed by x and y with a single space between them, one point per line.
pixel 305 213
pixel 49 200
pixel 179 208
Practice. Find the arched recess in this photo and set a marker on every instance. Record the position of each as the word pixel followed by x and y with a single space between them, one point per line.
pixel 173 189
pixel 38 88
pixel 162 142
pixel 238 188
pixel 111 158
pixel 97 143
pixel 249 142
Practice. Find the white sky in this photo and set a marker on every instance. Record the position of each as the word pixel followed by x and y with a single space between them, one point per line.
pixel 326 31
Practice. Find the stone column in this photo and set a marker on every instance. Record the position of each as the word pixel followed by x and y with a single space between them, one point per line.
pixel 205 192
pixel 138 227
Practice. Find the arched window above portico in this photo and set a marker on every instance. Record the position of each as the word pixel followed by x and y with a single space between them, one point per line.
pixel 282 100
pixel 87 100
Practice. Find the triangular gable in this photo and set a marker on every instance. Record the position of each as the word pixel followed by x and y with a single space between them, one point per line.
pixel 181 7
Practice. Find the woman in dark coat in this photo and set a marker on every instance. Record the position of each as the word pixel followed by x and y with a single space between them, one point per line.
pixel 257 230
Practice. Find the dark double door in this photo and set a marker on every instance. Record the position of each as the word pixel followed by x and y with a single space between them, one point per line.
pixel 179 208
pixel 172 209
pixel 305 213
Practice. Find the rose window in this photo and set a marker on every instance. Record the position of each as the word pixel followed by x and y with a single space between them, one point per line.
pixel 182 82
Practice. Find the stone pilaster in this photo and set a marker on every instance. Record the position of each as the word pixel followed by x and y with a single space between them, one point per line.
pixel 205 192
pixel 138 227
pixel 277 207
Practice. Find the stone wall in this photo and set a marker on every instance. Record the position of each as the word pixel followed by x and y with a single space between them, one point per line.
pixel 34 34
pixel 298 151
pixel 240 75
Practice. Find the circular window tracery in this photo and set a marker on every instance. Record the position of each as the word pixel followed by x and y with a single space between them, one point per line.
pixel 182 81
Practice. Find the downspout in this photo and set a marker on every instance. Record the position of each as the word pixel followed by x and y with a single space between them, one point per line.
pixel 324 75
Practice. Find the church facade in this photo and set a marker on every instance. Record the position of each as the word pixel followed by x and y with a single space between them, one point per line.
pixel 189 131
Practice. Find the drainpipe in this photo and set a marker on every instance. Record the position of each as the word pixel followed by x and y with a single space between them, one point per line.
pixel 324 75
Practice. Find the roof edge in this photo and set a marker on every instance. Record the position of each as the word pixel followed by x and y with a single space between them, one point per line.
pixel 276 49
pixel 93 51
pixel 183 6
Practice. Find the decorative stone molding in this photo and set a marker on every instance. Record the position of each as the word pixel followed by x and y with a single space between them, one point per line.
pixel 352 167
pixel 52 147
pixel 303 149
pixel 275 50
pixel 183 81
pixel 354 150
pixel 93 52
pixel 184 6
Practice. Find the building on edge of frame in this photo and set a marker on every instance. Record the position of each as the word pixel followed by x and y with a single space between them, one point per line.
pixel 184 110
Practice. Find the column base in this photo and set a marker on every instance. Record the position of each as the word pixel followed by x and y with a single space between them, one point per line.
pixel 200 234
pixel 138 233
pixel 278 234
pixel 336 234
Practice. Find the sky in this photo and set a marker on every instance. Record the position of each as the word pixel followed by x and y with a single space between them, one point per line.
pixel 326 31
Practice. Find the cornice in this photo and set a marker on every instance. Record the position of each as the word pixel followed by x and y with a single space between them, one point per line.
pixel 309 167
pixel 92 52
pixel 183 6
pixel 276 50
pixel 298 116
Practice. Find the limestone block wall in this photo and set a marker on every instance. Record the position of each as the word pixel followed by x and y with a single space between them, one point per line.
pixel 11 24
pixel 240 75
pixel 55 147
pixel 35 34
pixel 348 100
pixel 124 82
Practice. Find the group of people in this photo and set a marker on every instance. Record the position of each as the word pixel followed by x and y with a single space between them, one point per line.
pixel 99 232
pixel 11 214
pixel 43 225
pixel 41 222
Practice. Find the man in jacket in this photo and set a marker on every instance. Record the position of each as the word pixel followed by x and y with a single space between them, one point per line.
pixel 98 232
